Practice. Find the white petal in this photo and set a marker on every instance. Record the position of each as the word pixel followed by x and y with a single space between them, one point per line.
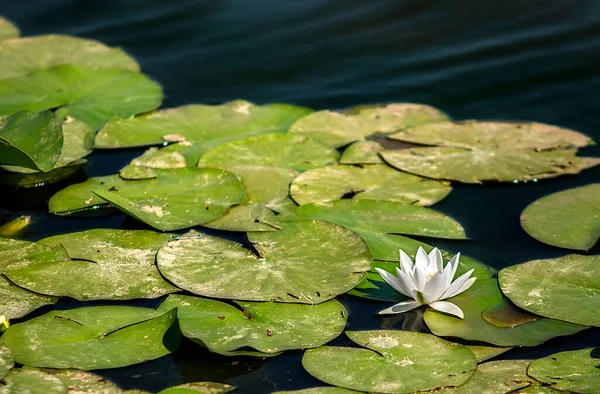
pixel 401 307
pixel 406 263
pixel 407 281
pixel 434 288
pixel 396 283
pixel 454 264
pixel 457 286
pixel 463 288
pixel 419 279
pixel 447 307
pixel 436 261
pixel 449 272
pixel 421 260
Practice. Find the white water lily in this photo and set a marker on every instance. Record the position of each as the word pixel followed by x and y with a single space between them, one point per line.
pixel 427 282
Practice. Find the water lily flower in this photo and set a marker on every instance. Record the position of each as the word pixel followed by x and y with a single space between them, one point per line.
pixel 4 323
pixel 427 282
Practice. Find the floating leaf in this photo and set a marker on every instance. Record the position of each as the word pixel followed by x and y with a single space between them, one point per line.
pixel 31 381
pixel 199 387
pixel 6 361
pixel 108 265
pixel 257 328
pixel 373 182
pixel 483 294
pixel 504 314
pixel 483 353
pixel 28 179
pixel 133 173
pixel 93 337
pixel 567 219
pixel 17 302
pixel 281 150
pixel 246 217
pixel 289 267
pixel 210 125
pixel 395 362
pixel 14 250
pixel 91 95
pixel 80 382
pixel 155 158
pixel 495 377
pixel 362 152
pixel 31 140
pixel 175 199
pixel 25 55
pixel 319 390
pixel 8 30
pixel 565 288
pixel 574 371
pixel 339 129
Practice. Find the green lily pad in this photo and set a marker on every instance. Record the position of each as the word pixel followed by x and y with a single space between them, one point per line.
pixel 28 179
pixel 376 216
pixel 14 251
pixel 8 29
pixel 504 314
pixel 339 129
pixel 477 165
pixel 30 381
pixel 159 158
pixel 362 152
pixel 484 293
pixel 93 337
pixel 373 182
pixel 565 288
pixel 567 219
pixel 257 328
pixel 81 382
pixel 31 140
pixel 281 150
pixel 175 199
pixel 289 266
pixel 199 387
pixel 7 361
pixel 320 390
pixel 132 173
pixel 246 217
pixel 17 302
pixel 91 95
pixel 483 353
pixel 210 125
pixel 393 362
pixel 574 371
pixel 495 377
pixel 28 54
pixel 109 265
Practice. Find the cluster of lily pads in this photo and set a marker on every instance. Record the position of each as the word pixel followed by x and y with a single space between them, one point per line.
pixel 324 198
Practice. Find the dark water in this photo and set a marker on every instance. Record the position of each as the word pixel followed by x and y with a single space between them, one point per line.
pixel 518 59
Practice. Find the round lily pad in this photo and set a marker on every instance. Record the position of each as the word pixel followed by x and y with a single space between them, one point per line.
pixel 24 55
pixel 31 381
pixel 256 328
pixel 8 29
pixel 7 361
pixel 281 150
pixel 175 199
pixel 483 294
pixel 362 152
pixel 565 288
pixel 373 182
pixel 31 140
pixel 288 267
pixel 81 382
pixel 567 219
pixel 108 265
pixel 338 129
pixel 199 387
pixel 133 173
pixel 91 95
pixel 17 302
pixel 246 217
pixel 575 371
pixel 209 125
pixel 393 362
pixel 93 337
pixel 502 376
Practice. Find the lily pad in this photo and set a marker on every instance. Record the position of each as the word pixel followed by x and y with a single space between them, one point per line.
pixel 339 129
pixel 246 217
pixel 108 265
pixel 175 199
pixel 17 302
pixel 31 140
pixel 477 165
pixel 81 382
pixel 281 150
pixel 320 390
pixel 155 158
pixel 91 95
pixel 565 288
pixel 373 182
pixel 567 219
pixel 574 371
pixel 22 56
pixel 483 353
pixel 289 266
pixel 8 29
pixel 257 328
pixel 199 387
pixel 13 251
pixel 209 125
pixel 484 293
pixel 393 362
pixel 502 376
pixel 362 152
pixel 30 381
pixel 93 337
pixel 6 361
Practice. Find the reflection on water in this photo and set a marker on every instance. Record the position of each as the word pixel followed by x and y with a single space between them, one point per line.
pixel 520 59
